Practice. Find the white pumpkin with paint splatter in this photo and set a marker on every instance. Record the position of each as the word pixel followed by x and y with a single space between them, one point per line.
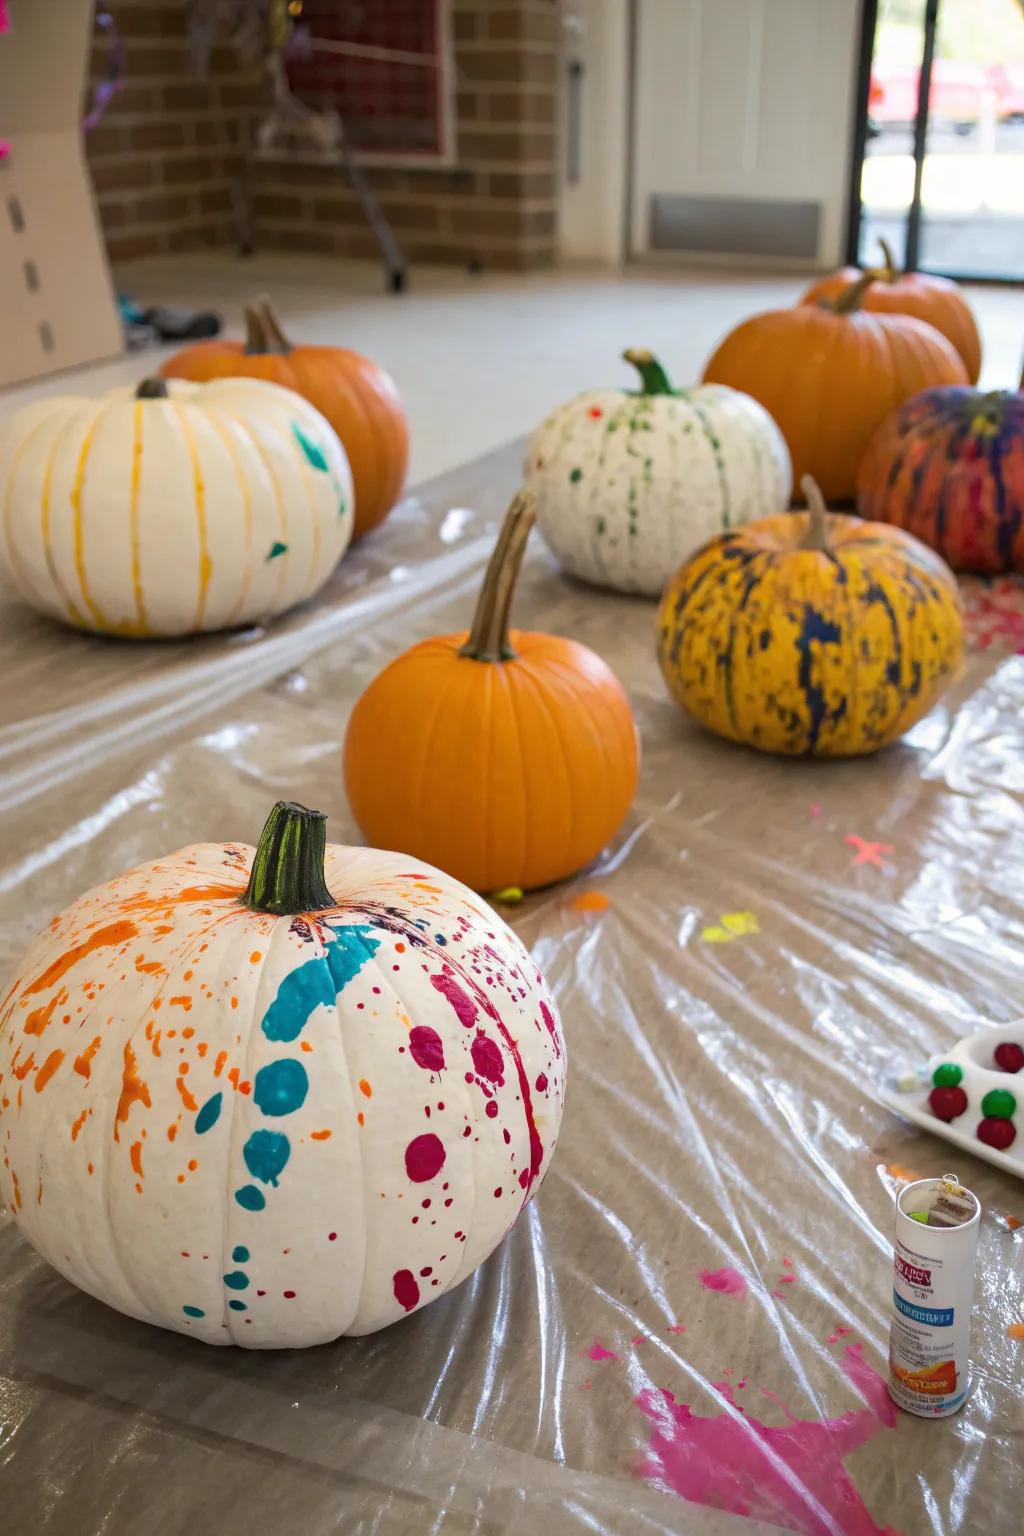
pixel 630 483
pixel 272 1099
pixel 173 508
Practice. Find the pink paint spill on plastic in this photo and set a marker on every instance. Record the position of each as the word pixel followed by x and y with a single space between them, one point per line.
pixel 727 1280
pixel 864 1379
pixel 677 1327
pixel 597 1351
pixel 640 1338
pixel 790 1475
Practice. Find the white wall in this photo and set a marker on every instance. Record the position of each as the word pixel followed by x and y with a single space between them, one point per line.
pixel 591 213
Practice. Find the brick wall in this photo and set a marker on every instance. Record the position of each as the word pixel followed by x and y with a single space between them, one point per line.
pixel 167 155
pixel 168 150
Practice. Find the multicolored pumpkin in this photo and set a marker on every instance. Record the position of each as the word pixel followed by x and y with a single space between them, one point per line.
pixel 216 1114
pixel 809 633
pixel 172 509
pixel 893 292
pixel 948 466
pixel 829 373
pixel 631 482
pixel 507 758
pixel 356 396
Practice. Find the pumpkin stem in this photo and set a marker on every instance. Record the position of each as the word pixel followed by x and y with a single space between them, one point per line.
pixel 263 333
pixel 891 271
pixel 816 536
pixel 850 298
pixel 488 638
pixel 287 874
pixel 653 378
pixel 152 389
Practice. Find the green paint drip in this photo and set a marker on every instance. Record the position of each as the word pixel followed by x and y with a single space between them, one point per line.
pixel 314 453
pixel 277 548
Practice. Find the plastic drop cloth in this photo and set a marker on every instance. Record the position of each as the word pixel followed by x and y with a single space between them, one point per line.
pixel 764 941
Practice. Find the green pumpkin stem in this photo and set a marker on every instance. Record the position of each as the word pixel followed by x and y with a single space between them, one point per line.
pixel 816 536
pixel 287 874
pixel 152 389
pixel 488 638
pixel 653 378
pixel 850 298
pixel 890 272
pixel 263 333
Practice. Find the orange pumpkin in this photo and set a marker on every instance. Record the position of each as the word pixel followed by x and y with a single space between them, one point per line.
pixel 934 299
pixel 829 373
pixel 505 758
pixel 358 399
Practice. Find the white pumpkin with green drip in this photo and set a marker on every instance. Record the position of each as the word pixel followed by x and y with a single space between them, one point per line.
pixel 630 483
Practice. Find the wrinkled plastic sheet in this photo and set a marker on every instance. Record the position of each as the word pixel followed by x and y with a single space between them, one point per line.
pixel 716 1224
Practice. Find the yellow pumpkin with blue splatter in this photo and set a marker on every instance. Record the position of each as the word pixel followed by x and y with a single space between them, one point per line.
pixel 810 633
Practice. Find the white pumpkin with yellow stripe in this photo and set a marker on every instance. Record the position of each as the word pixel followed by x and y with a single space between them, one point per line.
pixel 172 508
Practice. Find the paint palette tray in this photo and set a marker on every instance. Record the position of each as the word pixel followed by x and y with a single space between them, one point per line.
pixel 977 1088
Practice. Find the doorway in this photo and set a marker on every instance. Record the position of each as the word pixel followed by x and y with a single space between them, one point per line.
pixel 938 169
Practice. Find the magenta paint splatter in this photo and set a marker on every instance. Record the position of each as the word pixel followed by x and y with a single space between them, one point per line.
pixel 407 1292
pixel 552 1028
pixel 677 1327
pixel 597 1351
pixel 541 1084
pixel 727 1280
pixel 424 1157
pixel 426 1048
pixel 464 1006
pixel 487 1059
pixel 864 1379
pixel 491 1109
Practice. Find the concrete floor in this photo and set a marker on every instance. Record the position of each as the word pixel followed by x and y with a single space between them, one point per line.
pixel 480 360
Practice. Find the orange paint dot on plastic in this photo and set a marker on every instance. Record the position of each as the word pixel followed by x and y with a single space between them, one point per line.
pixel 590 901
pixel 365 1089
pixel 1015 1331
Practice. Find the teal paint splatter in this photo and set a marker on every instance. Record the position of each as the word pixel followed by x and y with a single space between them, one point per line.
pixel 250 1198
pixel 277 548
pixel 281 1087
pixel 237 1280
pixel 238 1306
pixel 209 1114
pixel 314 453
pixel 266 1153
pixel 317 982
pixel 240 1255
pixel 193 1311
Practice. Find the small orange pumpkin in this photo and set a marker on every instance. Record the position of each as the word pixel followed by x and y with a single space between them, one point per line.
pixel 934 299
pixel 503 757
pixel 358 399
pixel 829 373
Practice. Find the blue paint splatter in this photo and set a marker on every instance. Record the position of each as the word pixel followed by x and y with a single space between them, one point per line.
pixel 238 1306
pixel 266 1153
pixel 317 982
pixel 314 453
pixel 240 1255
pixel 280 1088
pixel 237 1280
pixel 209 1114
pixel 193 1311
pixel 250 1198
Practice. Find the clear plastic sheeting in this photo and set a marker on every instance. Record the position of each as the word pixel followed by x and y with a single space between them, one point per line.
pixel 686 1332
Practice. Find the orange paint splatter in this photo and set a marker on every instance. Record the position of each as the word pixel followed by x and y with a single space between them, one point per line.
pixel 114 933
pixel 365 1089
pixel 233 1077
pixel 78 1125
pixel 47 1069
pixel 305 1045
pixel 400 949
pixel 201 1049
pixel 135 1153
pixel 218 1066
pixel 234 1002
pixel 89 1168
pixel 156 1042
pixel 172 1130
pixel 26 1067
pixel 149 966
pixel 245 1086
pixel 39 1018
pixel 896 1171
pixel 144 903
pixel 361 1118
pixel 590 901
pixel 256 956
pixel 133 1090
pixel 187 1034
pixel 186 1098
pixel 182 1002
pixel 320 1135
pixel 17 1191
pixel 1015 1331
pixel 83 1061
pixel 192 1165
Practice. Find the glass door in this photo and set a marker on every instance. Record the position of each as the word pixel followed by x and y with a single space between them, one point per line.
pixel 939 162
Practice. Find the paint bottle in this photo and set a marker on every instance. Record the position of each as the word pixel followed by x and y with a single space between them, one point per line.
pixel 933 1287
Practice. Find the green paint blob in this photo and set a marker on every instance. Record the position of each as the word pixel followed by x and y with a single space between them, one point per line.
pixel 314 453
pixel 277 548
pixel 281 1087
pixel 250 1198
pixel 240 1255
pixel 575 475
pixel 193 1311
pixel 947 1075
pixel 236 1280
pixel 999 1101
pixel 209 1114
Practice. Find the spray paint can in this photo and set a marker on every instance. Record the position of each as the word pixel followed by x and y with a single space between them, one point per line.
pixel 933 1287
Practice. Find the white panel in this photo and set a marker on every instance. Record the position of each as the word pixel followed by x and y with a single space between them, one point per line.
pixel 729 69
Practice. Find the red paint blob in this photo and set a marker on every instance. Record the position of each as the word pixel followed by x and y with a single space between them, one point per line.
pixel 491 1110
pixel 465 1008
pixel 947 1103
pixel 407 1292
pixel 542 1082
pixel 996 1132
pixel 426 1048
pixel 424 1157
pixel 552 1027
pixel 332 1237
pixel 1009 1056
pixel 289 1295
pixel 487 1059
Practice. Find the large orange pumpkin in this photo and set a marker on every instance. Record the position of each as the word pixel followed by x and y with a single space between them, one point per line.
pixel 359 400
pixel 504 757
pixel 948 466
pixel 934 299
pixel 829 374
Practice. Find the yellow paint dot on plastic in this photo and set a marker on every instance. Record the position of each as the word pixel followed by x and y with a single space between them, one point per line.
pixel 741 922
pixel 509 895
